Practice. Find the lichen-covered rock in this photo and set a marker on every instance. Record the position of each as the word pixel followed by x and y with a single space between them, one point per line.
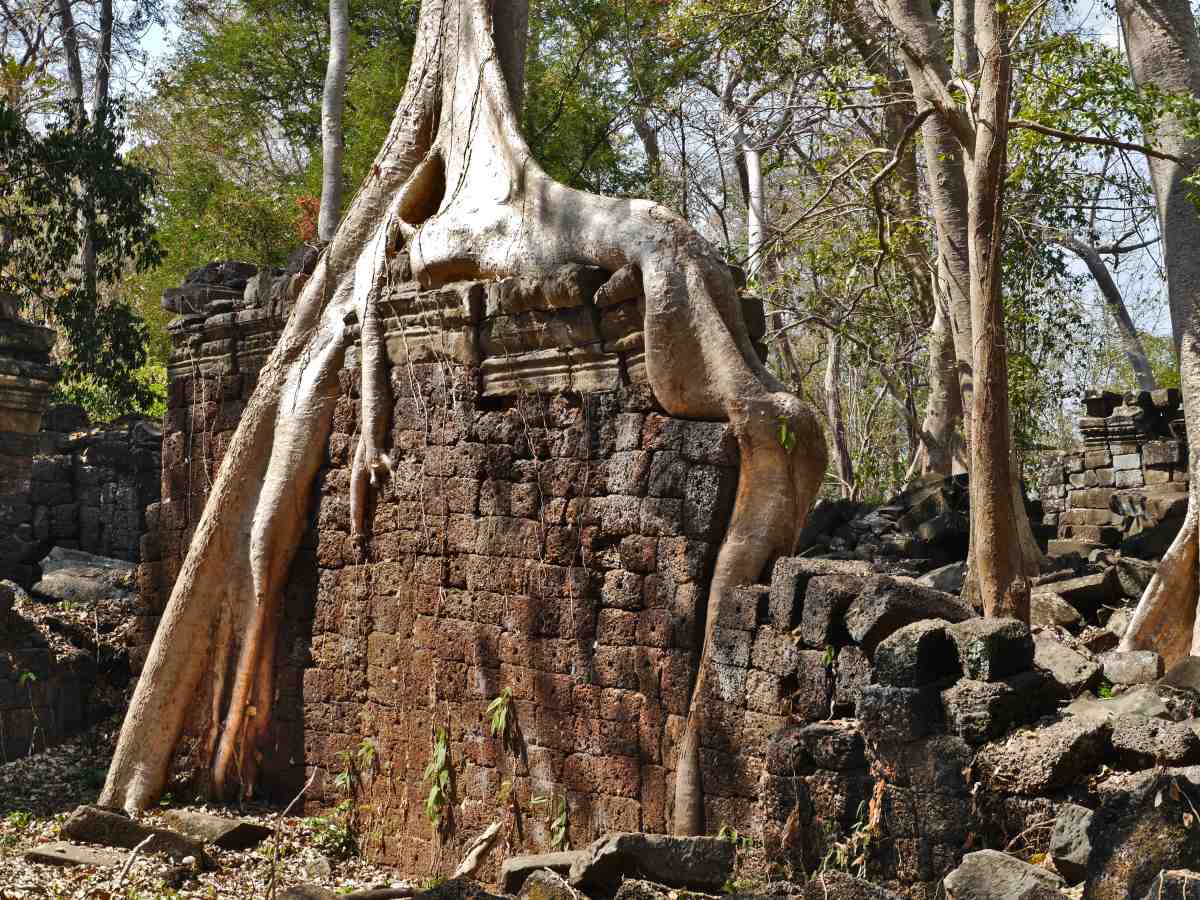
pixel 1128 667
pixel 989 649
pixel 1141 829
pixel 978 711
pixel 1070 671
pixel 1070 846
pixel 698 863
pixel 1142 741
pixel 1035 761
pixel 992 875
pixel 916 654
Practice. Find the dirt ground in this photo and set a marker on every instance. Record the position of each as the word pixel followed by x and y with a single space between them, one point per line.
pixel 38 792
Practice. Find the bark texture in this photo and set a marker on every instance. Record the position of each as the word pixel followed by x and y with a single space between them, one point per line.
pixel 965 147
pixel 1164 53
pixel 456 186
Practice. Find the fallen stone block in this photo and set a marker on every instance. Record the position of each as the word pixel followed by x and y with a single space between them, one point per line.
pixel 1184 675
pixel 1070 846
pixel 698 863
pixel 916 654
pixel 1139 831
pixel 228 834
pixel 1048 608
pixel 825 603
pixel 992 875
pixel 1118 623
pixel 60 853
pixel 886 605
pixel 1088 593
pixel 1141 700
pixel 1129 667
pixel 1141 742
pixel 1133 575
pixel 978 711
pixel 95 825
pixel 948 578
pixel 84 577
pixel 989 649
pixel 515 869
pixel 1071 672
pixel 1035 761
pixel 546 885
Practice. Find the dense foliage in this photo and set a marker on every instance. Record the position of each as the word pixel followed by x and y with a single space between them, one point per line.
pixel 665 100
pixel 63 183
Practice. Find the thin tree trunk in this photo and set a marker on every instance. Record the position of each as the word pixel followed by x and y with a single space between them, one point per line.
pixel 836 414
pixel 333 104
pixel 999 568
pixel 104 56
pixel 939 445
pixel 1164 54
pixel 1131 342
pixel 70 38
pixel 756 214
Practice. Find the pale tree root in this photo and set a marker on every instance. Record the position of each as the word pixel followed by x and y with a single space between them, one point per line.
pixel 476 206
pixel 217 631
pixel 1165 617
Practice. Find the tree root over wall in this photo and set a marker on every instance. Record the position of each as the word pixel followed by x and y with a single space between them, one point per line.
pixel 455 187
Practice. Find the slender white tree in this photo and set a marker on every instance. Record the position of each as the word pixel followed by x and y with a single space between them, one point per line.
pixel 333 105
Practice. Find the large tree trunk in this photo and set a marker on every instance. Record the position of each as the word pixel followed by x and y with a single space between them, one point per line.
pixel 836 415
pixel 501 214
pixel 1164 54
pixel 966 192
pixel 333 104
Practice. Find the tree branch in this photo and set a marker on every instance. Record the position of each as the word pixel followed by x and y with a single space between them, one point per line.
pixel 1076 138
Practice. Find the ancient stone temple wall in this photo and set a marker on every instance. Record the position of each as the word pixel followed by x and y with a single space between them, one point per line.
pixel 26 377
pixel 546 540
pixel 1128 487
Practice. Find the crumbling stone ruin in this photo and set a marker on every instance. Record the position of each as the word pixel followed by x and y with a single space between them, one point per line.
pixel 1128 488
pixel 72 504
pixel 544 543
